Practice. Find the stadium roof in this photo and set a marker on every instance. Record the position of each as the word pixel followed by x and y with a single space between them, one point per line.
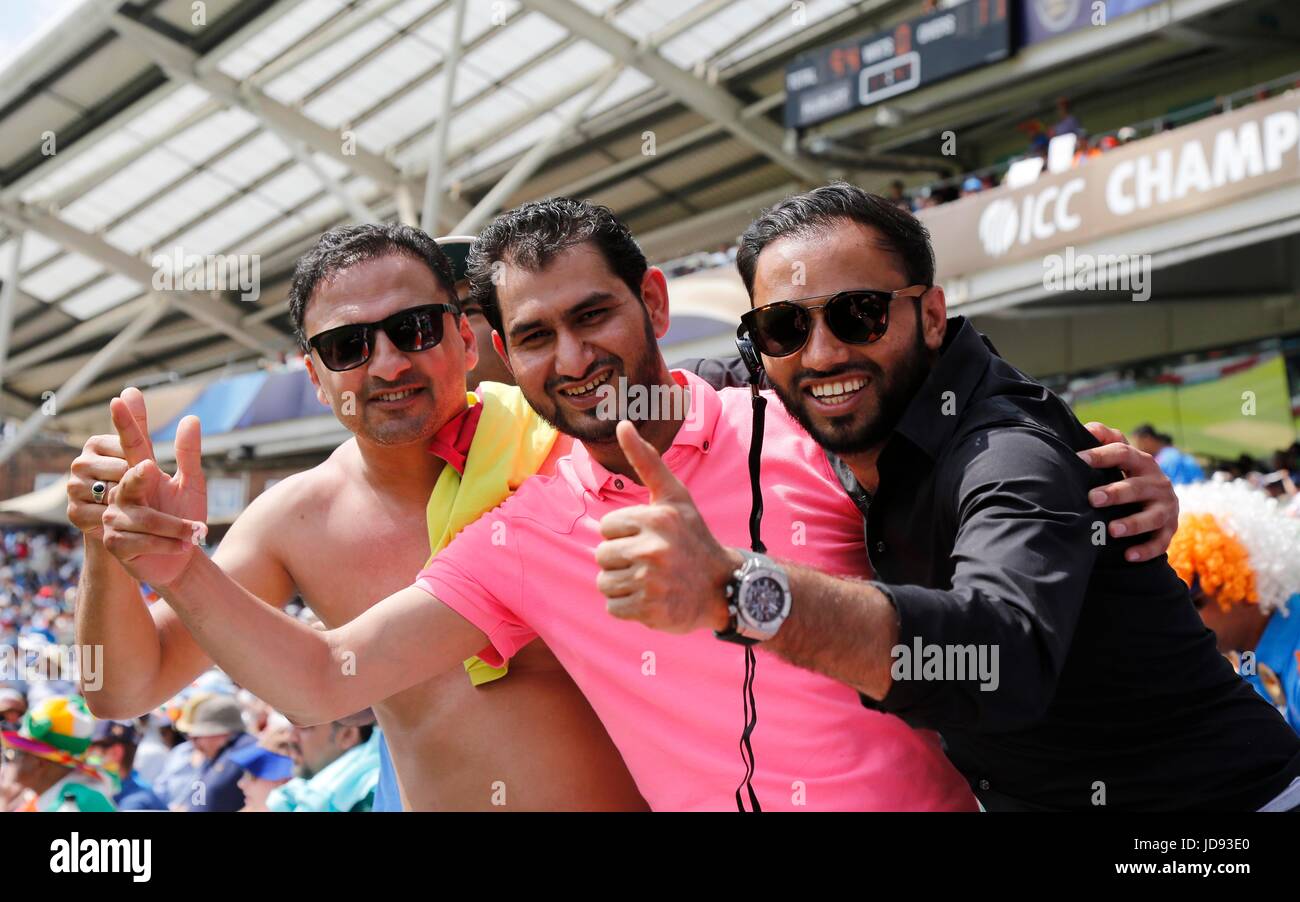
pixel 138 126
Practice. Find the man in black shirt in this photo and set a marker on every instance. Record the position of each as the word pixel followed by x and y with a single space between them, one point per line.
pixel 1006 612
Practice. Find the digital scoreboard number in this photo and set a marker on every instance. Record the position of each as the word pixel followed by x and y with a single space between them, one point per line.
pixel 893 76
pixel 835 80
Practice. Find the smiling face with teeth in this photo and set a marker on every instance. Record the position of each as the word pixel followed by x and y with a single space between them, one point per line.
pixel 573 326
pixel 849 397
pixel 395 397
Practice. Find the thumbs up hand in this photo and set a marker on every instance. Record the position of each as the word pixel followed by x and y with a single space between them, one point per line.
pixel 153 521
pixel 659 564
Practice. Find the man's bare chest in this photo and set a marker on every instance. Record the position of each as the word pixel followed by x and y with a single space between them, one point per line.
pixel 354 556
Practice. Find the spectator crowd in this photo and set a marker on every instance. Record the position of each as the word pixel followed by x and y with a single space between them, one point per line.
pixel 211 747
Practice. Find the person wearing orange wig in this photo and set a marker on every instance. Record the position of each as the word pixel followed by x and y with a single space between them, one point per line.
pixel 1240 555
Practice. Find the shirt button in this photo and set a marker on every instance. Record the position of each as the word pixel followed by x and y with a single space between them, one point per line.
pixel 880 548
pixel 618 483
pixel 706 444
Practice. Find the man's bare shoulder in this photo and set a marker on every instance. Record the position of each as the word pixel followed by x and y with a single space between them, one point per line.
pixel 304 493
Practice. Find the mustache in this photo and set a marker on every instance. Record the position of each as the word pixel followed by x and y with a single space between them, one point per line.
pixel 555 382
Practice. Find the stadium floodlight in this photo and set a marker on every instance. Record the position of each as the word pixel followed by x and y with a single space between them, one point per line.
pixel 888 117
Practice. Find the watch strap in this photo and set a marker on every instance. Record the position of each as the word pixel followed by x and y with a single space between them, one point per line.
pixel 731 634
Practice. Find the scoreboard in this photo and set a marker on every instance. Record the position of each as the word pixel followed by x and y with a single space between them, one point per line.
pixel 831 81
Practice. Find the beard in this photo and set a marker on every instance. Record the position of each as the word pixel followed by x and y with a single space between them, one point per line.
pixel 861 430
pixel 587 425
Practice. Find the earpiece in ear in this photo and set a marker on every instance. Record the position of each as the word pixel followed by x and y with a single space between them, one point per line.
pixel 749 354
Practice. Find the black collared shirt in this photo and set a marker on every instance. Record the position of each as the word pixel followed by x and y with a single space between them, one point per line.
pixel 1108 686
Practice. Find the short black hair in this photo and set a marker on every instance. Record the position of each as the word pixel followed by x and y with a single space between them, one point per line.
pixel 815 211
pixel 345 246
pixel 1146 430
pixel 531 235
pixel 363 730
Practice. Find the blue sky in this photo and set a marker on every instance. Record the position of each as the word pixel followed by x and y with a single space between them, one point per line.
pixel 20 19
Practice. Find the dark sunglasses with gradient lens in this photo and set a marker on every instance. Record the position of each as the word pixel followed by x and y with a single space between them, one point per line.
pixel 857 317
pixel 414 329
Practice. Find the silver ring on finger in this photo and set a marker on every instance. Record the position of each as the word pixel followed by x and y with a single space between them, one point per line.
pixel 97 491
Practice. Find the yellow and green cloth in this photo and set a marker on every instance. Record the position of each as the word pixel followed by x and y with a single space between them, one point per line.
pixel 509 444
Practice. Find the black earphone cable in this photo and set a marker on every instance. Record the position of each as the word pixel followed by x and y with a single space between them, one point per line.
pixel 755 544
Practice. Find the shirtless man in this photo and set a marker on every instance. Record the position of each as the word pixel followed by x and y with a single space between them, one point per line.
pixel 344 535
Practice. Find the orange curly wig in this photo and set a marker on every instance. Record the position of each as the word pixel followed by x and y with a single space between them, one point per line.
pixel 1202 550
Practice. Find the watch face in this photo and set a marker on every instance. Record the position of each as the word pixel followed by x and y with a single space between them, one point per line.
pixel 764 599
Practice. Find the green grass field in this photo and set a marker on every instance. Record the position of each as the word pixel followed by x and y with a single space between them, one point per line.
pixel 1208 418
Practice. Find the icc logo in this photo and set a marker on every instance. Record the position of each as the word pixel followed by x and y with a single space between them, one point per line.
pixel 998 225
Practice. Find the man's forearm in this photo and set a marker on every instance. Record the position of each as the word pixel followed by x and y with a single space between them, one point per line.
pixel 312 676
pixel 844 629
pixel 281 660
pixel 112 618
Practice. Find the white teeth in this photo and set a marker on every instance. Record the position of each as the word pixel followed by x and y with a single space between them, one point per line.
pixel 838 390
pixel 590 386
pixel 396 396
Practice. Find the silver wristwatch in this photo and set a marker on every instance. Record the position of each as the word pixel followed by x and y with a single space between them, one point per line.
pixel 758 600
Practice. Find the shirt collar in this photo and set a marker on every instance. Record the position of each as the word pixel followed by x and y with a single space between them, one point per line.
pixel 451 442
pixel 931 418
pixel 695 435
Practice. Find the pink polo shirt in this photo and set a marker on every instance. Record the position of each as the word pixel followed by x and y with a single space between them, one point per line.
pixel 672 703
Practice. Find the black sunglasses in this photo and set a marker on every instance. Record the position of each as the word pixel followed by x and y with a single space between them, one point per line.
pixel 857 317
pixel 414 329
